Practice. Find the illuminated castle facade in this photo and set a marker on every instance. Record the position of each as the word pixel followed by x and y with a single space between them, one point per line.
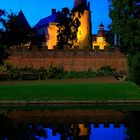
pixel 99 40
pixel 47 27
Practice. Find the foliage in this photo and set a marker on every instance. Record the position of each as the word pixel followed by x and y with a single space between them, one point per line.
pixel 29 69
pixel 126 24
pixel 106 71
pixel 43 73
pixel 55 73
pixel 110 38
pixel 67 29
pixel 13 30
pixel 133 123
pixel 30 73
pixel 3 54
pixel 15 74
pixel 82 74
pixel 134 68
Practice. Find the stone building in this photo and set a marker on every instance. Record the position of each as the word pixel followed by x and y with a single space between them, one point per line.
pixel 99 40
pixel 47 26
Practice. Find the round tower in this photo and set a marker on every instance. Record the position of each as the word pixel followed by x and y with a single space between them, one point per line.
pixel 84 31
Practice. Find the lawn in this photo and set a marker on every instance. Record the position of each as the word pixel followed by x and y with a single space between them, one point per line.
pixel 31 91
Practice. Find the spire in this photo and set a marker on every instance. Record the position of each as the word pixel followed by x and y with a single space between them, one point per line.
pixel 101 26
pixel 22 20
pixel 101 30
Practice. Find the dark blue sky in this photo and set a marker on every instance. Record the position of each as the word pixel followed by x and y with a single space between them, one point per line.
pixel 34 10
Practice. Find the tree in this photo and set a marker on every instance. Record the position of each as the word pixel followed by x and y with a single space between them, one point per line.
pixel 125 15
pixel 3 51
pixel 67 29
pixel 14 31
pixel 126 24
pixel 3 54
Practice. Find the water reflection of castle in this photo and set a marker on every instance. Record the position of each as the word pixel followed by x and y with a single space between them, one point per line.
pixel 68 124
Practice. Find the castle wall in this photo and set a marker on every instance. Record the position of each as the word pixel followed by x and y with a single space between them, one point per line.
pixel 72 60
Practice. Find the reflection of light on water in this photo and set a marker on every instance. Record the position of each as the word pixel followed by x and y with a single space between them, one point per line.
pixel 110 133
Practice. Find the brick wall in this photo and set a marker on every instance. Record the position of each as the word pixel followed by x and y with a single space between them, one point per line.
pixel 71 60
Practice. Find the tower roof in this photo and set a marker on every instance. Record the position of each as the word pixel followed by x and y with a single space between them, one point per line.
pixel 101 25
pixel 22 20
pixel 101 30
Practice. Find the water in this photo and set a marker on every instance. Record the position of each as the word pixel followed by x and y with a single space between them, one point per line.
pixel 63 125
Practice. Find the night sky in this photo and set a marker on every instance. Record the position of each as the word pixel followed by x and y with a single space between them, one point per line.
pixel 35 10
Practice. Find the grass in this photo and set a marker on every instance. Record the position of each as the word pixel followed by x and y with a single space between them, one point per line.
pixel 31 91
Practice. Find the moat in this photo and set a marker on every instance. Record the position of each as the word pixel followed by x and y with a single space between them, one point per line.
pixel 69 124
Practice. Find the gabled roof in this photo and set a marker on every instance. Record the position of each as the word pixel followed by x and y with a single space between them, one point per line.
pixel 22 20
pixel 47 20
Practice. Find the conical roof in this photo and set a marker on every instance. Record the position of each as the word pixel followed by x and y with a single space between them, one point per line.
pixel 22 20
pixel 101 25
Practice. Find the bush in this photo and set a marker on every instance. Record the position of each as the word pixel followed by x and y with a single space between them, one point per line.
pixel 134 68
pixel 106 71
pixel 15 73
pixel 29 70
pixel 82 74
pixel 55 73
pixel 71 74
pixel 43 73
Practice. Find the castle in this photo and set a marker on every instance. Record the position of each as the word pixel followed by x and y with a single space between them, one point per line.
pixel 47 27
pixel 75 59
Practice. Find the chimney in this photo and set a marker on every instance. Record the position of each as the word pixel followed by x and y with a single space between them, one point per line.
pixel 53 11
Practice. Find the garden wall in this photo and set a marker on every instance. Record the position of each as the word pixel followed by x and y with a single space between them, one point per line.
pixel 76 60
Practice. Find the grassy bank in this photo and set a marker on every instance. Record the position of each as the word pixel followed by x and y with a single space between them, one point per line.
pixel 69 91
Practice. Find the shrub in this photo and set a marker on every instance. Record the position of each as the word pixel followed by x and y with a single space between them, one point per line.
pixel 43 73
pixel 106 71
pixel 134 68
pixel 82 74
pixel 29 70
pixel 15 73
pixel 55 73
pixel 71 74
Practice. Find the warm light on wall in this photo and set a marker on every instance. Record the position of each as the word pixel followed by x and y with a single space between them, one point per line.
pixel 52 31
pixel 101 42
pixel 83 30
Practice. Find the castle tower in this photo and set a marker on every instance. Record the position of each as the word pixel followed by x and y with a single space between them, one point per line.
pixel 79 2
pixel 84 31
pixel 101 30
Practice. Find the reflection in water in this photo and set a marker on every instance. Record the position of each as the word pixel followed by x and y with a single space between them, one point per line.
pixel 110 133
pixel 100 133
pixel 63 125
